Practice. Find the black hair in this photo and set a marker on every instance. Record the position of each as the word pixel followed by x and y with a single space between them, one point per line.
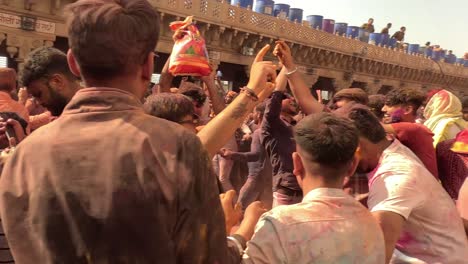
pixel 169 106
pixel 365 121
pixel 376 103
pixel 42 63
pixel 405 96
pixel 194 92
pixel 260 108
pixel 329 141
pixel 465 102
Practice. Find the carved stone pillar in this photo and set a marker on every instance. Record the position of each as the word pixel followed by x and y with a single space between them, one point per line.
pixel 344 81
pixel 20 46
pixel 373 86
pixel 341 84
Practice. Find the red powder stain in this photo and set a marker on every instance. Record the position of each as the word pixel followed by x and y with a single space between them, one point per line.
pixel 405 239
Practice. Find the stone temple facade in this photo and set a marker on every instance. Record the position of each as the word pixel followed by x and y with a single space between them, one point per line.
pixel 234 35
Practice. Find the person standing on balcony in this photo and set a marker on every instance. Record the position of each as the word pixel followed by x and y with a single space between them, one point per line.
pixel 386 29
pixel 400 35
pixel 369 26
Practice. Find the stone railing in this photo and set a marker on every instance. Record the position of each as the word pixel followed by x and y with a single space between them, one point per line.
pixel 220 12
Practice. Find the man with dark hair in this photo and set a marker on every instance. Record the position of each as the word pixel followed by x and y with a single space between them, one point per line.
pixel 173 107
pixel 376 103
pixel 402 198
pixel 402 104
pixel 369 26
pixel 386 29
pixel 258 165
pixel 327 223
pixel 401 107
pixel 400 35
pixel 196 94
pixel 276 136
pixel 107 183
pixel 48 79
pixel 347 95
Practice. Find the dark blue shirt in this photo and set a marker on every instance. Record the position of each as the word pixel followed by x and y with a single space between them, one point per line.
pixel 277 139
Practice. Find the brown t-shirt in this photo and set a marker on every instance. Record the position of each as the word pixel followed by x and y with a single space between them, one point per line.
pixel 106 183
pixel 399 36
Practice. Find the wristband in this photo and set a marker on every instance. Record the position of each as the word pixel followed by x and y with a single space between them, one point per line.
pixel 292 72
pixel 250 93
pixel 240 246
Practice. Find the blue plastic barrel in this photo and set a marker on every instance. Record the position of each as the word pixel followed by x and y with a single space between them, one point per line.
pixel 242 3
pixel 385 39
pixel 295 14
pixel 363 35
pixel 315 21
pixel 392 43
pixel 405 46
pixel 352 32
pixel 281 10
pixel 450 58
pixel 264 7
pixel 428 52
pixel 375 39
pixel 340 28
pixel 328 25
pixel 436 55
pixel 413 48
pixel 444 53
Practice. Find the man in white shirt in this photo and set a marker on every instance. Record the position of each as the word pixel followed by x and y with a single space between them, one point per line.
pixel 419 219
pixel 328 226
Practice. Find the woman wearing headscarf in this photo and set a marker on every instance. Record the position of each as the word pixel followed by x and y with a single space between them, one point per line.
pixel 443 115
pixel 452 161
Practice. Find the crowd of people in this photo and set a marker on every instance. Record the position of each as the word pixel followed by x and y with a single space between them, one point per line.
pixel 398 35
pixel 99 167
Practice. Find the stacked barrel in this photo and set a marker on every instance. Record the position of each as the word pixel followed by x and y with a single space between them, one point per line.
pixel 318 22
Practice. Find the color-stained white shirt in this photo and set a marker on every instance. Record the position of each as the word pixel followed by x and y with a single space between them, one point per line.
pixel 328 226
pixel 433 231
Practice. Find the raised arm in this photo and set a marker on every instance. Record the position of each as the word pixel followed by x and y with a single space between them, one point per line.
pixel 299 88
pixel 216 96
pixel 165 82
pixel 251 156
pixel 218 131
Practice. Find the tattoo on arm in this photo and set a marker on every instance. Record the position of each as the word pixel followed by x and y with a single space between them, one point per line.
pixel 239 110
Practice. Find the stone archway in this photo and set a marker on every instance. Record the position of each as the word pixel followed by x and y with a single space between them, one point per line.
pixel 385 89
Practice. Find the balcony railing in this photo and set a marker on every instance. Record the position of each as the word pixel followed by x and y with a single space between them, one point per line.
pixel 220 12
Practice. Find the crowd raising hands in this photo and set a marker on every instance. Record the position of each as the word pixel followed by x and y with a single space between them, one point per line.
pixel 97 168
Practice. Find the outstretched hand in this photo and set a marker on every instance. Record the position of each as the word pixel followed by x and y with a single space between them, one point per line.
pixel 262 75
pixel 283 53
pixel 19 132
pixel 232 213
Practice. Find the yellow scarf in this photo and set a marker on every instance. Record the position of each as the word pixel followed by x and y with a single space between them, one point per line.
pixel 442 111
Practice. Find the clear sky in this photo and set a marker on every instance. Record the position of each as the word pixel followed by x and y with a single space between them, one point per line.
pixel 443 22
